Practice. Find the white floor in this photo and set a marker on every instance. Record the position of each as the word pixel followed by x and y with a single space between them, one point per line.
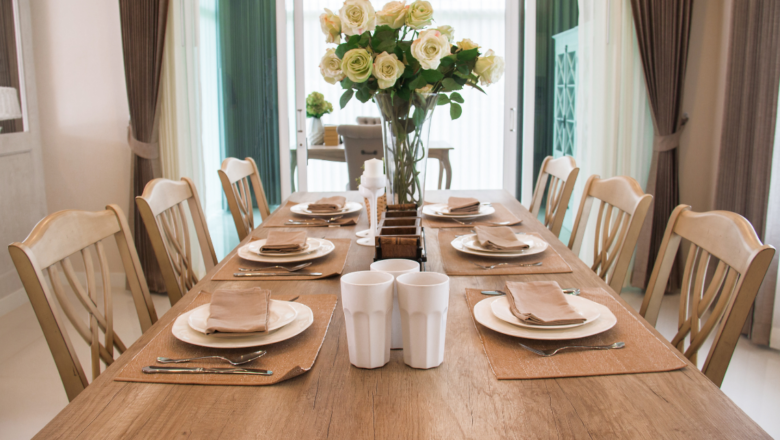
pixel 31 393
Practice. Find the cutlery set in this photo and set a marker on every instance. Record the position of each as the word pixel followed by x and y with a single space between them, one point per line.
pixel 241 360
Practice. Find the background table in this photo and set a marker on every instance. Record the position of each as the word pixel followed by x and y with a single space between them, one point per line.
pixel 460 399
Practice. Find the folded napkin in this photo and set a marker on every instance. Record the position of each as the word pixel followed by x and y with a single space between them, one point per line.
pixel 328 204
pixel 463 205
pixel 541 303
pixel 279 242
pixel 500 238
pixel 239 310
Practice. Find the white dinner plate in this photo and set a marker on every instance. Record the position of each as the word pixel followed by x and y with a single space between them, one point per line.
pixel 584 307
pixel 312 244
pixel 442 211
pixel 474 245
pixel 537 246
pixel 280 314
pixel 245 252
pixel 303 209
pixel 484 315
pixel 183 332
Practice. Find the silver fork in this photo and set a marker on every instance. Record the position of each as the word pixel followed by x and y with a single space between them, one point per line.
pixel 470 223
pixel 326 220
pixel 539 263
pixel 288 269
pixel 548 353
pixel 568 291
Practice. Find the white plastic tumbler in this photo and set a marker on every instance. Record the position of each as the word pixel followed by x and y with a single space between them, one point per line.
pixel 367 298
pixel 424 299
pixel 396 267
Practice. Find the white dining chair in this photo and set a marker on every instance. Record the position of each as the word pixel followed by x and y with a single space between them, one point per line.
pixel 235 175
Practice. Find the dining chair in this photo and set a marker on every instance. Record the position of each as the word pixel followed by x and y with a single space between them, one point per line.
pixel 725 266
pixel 162 209
pixel 235 175
pixel 561 174
pixel 361 143
pixel 49 250
pixel 368 120
pixel 622 210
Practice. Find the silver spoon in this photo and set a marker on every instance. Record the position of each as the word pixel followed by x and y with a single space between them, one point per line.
pixel 548 353
pixel 568 291
pixel 288 269
pixel 241 360
pixel 509 264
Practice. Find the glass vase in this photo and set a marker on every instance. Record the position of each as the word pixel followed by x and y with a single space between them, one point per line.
pixel 405 129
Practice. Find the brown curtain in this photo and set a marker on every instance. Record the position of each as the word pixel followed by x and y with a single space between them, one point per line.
pixel 663 28
pixel 748 133
pixel 143 36
pixel 9 67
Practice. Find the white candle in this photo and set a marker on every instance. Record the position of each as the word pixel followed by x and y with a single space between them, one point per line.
pixel 373 168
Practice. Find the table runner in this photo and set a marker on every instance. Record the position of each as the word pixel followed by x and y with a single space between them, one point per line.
pixel 461 264
pixel 286 359
pixel 283 213
pixel 329 265
pixel 644 352
pixel 501 215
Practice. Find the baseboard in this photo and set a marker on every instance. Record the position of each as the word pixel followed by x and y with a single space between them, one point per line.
pixel 11 302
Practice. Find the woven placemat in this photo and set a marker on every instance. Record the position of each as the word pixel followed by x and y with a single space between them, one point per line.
pixel 501 215
pixel 644 352
pixel 286 359
pixel 283 213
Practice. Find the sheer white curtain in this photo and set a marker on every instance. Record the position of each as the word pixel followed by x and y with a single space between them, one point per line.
pixel 614 125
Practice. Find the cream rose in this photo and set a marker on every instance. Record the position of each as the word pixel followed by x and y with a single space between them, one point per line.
pixel 330 67
pixel 331 26
pixel 387 69
pixel 357 16
pixel 466 44
pixel 427 89
pixel 393 14
pixel 490 68
pixel 430 48
pixel 356 64
pixel 448 32
pixel 420 14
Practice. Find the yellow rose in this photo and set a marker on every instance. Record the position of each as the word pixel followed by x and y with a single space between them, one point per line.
pixel 393 14
pixel 331 26
pixel 387 69
pixel 448 32
pixel 357 16
pixel 430 48
pixel 357 65
pixel 330 67
pixel 420 14
pixel 490 68
pixel 466 44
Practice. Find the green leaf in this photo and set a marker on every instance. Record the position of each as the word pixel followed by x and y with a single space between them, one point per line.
pixel 464 69
pixel 363 42
pixel 354 39
pixel 450 84
pixel 408 73
pixel 455 111
pixel 345 98
pixel 363 95
pixel 432 76
pixel 466 55
pixel 417 83
pixel 474 84
pixel 387 45
pixel 447 61
pixel 418 116
pixel 443 100
pixel 347 83
pixel 455 96
pixel 459 80
pixel 383 28
pixel 344 48
pixel 404 93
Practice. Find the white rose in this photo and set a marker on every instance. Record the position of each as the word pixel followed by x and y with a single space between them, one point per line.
pixel 356 64
pixel 331 26
pixel 448 32
pixel 393 14
pixel 420 14
pixel 387 69
pixel 330 67
pixel 427 89
pixel 430 48
pixel 490 68
pixel 357 16
pixel 466 44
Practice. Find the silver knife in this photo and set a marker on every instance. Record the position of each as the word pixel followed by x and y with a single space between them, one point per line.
pixel 188 370
pixel 277 274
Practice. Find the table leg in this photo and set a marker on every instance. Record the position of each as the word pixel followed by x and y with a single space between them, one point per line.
pixel 441 172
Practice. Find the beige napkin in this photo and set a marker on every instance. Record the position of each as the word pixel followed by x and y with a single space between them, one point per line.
pixel 500 238
pixel 238 310
pixel 280 242
pixel 541 303
pixel 328 204
pixel 463 205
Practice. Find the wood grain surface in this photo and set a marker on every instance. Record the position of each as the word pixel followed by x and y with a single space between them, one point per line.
pixel 460 399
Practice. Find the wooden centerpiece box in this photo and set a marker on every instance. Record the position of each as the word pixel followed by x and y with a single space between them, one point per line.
pixel 401 234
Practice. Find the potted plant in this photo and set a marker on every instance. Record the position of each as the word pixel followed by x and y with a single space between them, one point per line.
pixel 316 108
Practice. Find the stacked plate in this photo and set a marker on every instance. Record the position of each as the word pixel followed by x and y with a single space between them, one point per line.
pixel 303 209
pixel 443 211
pixel 285 320
pixel 468 244
pixel 315 248
pixel 494 313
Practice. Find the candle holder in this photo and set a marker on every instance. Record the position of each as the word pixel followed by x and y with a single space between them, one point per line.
pixel 371 187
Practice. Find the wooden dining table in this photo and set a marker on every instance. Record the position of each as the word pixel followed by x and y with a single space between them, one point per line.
pixel 460 399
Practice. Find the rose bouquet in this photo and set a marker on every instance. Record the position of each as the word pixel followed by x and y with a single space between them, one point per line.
pixel 408 68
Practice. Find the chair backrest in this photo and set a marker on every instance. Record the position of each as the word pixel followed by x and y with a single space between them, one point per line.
pixel 368 120
pixel 49 249
pixel 162 209
pixel 561 174
pixel 361 143
pixel 622 212
pixel 235 175
pixel 726 251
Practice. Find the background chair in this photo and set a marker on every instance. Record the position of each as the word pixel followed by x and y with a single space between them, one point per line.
pixel 561 174
pixel 616 236
pixel 235 175
pixel 49 248
pixel 723 241
pixel 368 120
pixel 162 209
pixel 361 143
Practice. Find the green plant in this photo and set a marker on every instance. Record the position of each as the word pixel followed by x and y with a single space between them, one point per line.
pixel 317 106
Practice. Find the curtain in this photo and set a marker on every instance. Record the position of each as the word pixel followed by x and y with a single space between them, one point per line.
pixel 143 34
pixel 248 88
pixel 663 30
pixel 9 67
pixel 749 123
pixel 614 134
